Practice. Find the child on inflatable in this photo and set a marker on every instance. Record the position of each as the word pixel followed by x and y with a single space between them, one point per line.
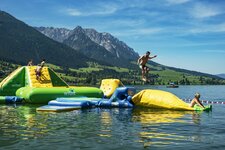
pixel 39 68
pixel 196 101
pixel 30 63
pixel 38 71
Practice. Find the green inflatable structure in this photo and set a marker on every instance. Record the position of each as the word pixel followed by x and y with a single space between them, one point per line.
pixel 23 83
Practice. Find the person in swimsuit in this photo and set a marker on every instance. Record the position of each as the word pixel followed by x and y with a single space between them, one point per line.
pixel 196 101
pixel 39 69
pixel 42 62
pixel 30 63
pixel 142 61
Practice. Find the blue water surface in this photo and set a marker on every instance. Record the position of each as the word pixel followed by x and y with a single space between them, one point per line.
pixel 21 127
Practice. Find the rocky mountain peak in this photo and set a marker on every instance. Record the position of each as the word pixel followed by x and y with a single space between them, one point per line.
pixel 78 29
pixel 57 34
pixel 113 45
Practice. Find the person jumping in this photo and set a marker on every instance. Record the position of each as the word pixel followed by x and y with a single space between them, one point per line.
pixel 142 62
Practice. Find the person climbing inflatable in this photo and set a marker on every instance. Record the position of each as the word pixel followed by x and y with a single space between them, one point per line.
pixel 196 101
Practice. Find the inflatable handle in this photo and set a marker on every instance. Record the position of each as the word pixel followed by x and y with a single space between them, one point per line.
pixel 13 99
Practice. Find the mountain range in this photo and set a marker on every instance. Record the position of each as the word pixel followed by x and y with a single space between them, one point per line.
pixel 222 75
pixel 75 48
pixel 19 42
pixel 106 40
pixel 99 46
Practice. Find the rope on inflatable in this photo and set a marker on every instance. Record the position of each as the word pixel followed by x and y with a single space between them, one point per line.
pixel 205 101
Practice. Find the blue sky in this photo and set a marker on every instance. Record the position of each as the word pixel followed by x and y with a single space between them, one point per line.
pixel 187 34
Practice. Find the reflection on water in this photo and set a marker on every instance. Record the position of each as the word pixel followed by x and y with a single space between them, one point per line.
pixel 23 127
pixel 106 121
pixel 151 119
pixel 154 116
pixel 21 123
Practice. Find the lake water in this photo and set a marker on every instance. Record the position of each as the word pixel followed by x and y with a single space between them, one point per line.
pixel 21 127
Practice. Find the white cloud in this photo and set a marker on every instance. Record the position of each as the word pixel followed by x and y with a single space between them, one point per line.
pixel 72 12
pixel 204 11
pixel 139 32
pixel 146 31
pixel 100 10
pixel 127 22
pixel 104 10
pixel 208 28
pixel 177 1
pixel 214 51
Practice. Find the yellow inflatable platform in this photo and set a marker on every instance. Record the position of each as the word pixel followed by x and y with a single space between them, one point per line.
pixel 108 86
pixel 163 100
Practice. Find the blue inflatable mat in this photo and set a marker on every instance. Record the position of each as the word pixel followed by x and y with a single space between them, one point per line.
pixel 119 104
pixel 121 98
pixel 82 104
pixel 69 99
pixel 50 108
pixel 93 101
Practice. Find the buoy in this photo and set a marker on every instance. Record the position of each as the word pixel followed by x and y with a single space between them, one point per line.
pixel 205 101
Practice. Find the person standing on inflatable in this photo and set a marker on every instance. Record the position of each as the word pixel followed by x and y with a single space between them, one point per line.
pixel 39 69
pixel 142 62
pixel 30 63
pixel 42 63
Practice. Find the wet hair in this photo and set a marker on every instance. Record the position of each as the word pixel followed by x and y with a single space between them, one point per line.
pixel 147 52
pixel 197 95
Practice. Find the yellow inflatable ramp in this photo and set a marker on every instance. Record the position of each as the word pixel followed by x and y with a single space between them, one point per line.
pixel 159 99
pixel 44 81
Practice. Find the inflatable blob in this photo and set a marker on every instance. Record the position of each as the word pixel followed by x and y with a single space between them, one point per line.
pixel 163 100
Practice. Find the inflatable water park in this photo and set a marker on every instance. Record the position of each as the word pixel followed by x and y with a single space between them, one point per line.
pixel 22 86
